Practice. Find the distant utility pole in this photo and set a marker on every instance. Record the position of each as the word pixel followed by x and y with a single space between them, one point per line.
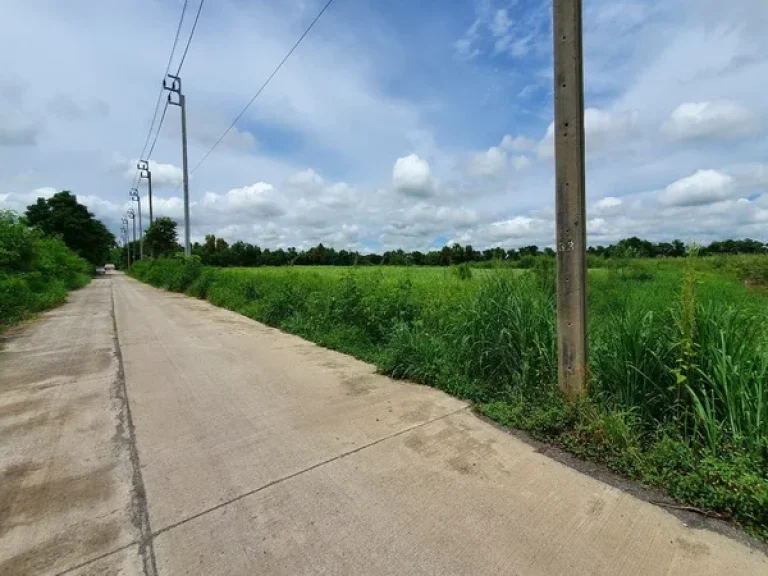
pixel 137 197
pixel 132 216
pixel 570 202
pixel 124 231
pixel 175 88
pixel 127 241
pixel 145 172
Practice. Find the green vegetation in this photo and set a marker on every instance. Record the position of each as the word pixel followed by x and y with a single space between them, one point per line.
pixel 678 355
pixel 217 252
pixel 62 215
pixel 36 271
pixel 161 238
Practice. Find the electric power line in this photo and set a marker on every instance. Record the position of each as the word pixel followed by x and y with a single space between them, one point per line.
pixel 167 68
pixel 189 40
pixel 157 134
pixel 263 86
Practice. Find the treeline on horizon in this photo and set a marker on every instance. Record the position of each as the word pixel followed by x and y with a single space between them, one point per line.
pixel 217 252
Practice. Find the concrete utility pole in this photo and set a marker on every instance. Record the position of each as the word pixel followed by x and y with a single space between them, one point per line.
pixel 175 88
pixel 132 216
pixel 145 172
pixel 127 242
pixel 124 234
pixel 570 201
pixel 137 197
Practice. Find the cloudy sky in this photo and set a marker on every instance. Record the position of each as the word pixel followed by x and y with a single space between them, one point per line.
pixel 395 124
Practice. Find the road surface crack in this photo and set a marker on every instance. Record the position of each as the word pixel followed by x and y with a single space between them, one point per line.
pixel 305 470
pixel 127 434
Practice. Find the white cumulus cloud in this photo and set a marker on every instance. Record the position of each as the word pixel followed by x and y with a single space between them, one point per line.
pixel 711 120
pixel 606 206
pixel 490 163
pixel 703 187
pixel 517 227
pixel 517 144
pixel 411 176
pixel 520 162
pixel 255 200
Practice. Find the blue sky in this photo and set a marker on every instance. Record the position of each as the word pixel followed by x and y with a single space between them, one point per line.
pixel 395 124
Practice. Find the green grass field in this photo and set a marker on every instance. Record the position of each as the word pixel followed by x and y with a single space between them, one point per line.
pixel 678 355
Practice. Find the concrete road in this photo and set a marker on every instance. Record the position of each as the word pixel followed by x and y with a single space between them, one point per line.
pixel 67 493
pixel 261 453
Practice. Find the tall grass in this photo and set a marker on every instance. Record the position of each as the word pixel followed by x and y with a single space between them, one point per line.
pixel 676 353
pixel 728 392
pixel 504 336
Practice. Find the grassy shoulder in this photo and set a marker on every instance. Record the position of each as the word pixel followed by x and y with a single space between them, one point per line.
pixel 36 272
pixel 678 356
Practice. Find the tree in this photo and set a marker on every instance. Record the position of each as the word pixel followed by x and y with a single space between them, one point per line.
pixel 532 250
pixel 221 245
pixel 161 238
pixel 678 248
pixel 62 215
pixel 209 246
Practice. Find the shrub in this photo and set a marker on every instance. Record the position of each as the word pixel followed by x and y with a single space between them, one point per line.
pixel 462 271
pixel 36 271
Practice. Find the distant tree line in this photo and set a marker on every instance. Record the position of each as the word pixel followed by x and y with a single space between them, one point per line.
pixel 217 252
pixel 161 240
pixel 638 248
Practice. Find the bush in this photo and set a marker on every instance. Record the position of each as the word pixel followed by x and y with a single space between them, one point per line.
pixel 36 272
pixel 462 271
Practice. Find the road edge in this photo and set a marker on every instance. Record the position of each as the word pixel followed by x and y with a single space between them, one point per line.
pixel 690 516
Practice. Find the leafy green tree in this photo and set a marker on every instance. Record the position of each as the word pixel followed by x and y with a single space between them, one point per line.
pixel 532 250
pixel 209 246
pixel 746 246
pixel 679 248
pixel 36 270
pixel 161 238
pixel 221 245
pixel 62 215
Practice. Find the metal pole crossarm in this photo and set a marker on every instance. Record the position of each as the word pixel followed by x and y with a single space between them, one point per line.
pixel 145 172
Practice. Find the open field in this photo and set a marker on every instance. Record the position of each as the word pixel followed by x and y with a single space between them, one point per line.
pixel 678 355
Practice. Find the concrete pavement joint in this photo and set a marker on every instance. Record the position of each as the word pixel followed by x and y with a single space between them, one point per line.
pixel 305 470
pixel 92 560
pixel 139 512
